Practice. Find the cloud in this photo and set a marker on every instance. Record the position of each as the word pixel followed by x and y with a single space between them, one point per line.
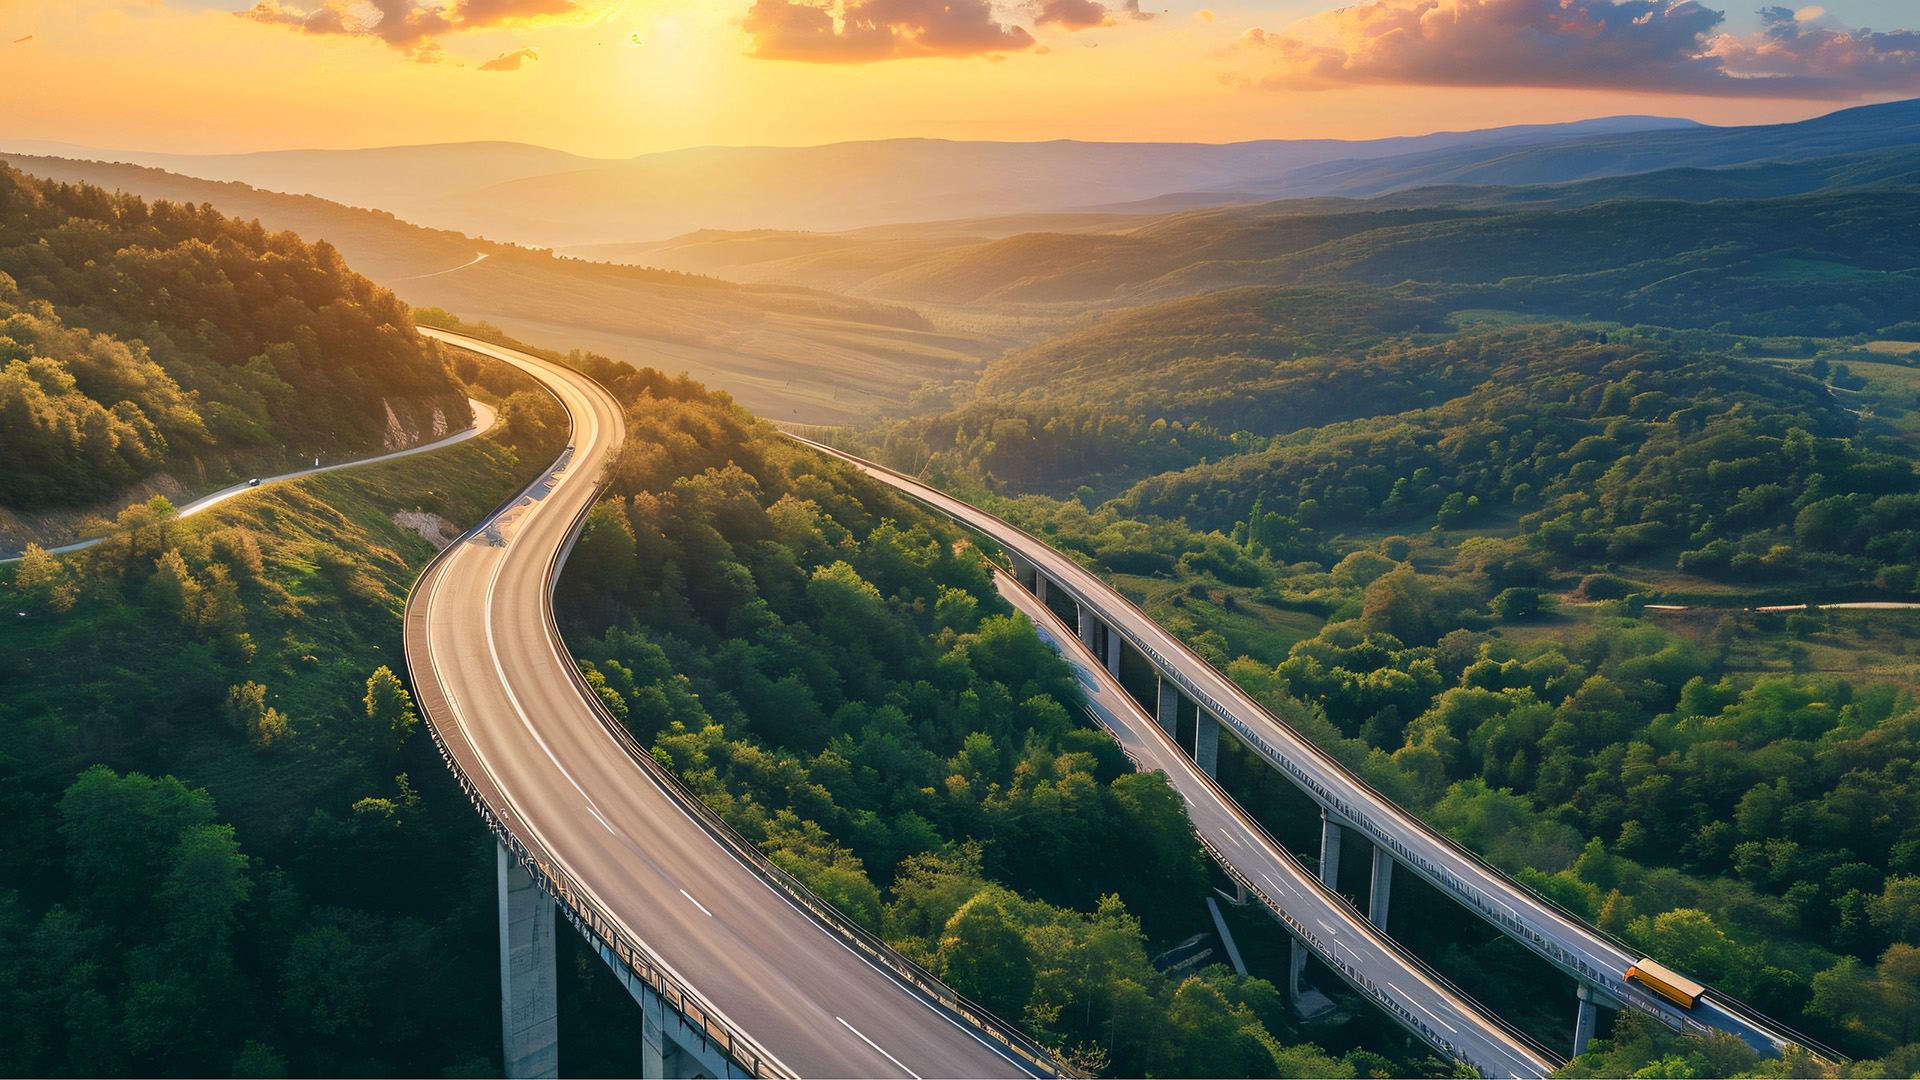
pixel 510 61
pixel 405 24
pixel 863 31
pixel 1086 14
pixel 1659 45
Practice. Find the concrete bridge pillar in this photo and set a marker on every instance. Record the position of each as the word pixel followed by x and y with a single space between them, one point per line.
pixel 1329 851
pixel 1167 710
pixel 669 1046
pixel 1206 742
pixel 1296 963
pixel 529 1011
pixel 1024 572
pixel 1040 586
pixel 1583 1021
pixel 1089 628
pixel 1113 651
pixel 653 1036
pixel 1382 888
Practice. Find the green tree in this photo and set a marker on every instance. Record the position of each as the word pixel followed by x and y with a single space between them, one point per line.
pixel 984 955
pixel 603 560
pixel 248 713
pixel 325 983
pixel 1515 603
pixel 123 834
pixel 1398 603
pixel 390 707
pixel 1896 911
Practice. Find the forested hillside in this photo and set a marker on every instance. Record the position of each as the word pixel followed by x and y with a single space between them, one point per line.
pixel 833 673
pixel 138 338
pixel 1728 790
pixel 1490 566
pixel 231 849
pixel 1828 263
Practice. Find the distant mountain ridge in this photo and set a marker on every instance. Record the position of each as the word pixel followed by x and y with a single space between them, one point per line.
pixel 1849 131
pixel 548 198
pixel 541 197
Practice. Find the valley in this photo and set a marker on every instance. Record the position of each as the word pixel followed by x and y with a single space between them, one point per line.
pixel 1556 485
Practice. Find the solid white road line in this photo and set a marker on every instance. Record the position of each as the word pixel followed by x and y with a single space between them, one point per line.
pixel 701 906
pixel 876 1046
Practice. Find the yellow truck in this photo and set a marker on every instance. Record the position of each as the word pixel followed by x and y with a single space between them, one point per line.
pixel 1666 982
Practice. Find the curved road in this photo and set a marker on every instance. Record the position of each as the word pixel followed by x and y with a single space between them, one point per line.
pixel 483 418
pixel 1568 943
pixel 496 685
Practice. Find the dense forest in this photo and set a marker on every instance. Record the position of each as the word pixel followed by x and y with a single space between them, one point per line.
pixel 141 337
pixel 1499 589
pixel 232 849
pixel 833 673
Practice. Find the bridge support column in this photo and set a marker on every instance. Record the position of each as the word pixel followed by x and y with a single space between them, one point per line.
pixel 1167 710
pixel 1206 742
pixel 529 1012
pixel 669 1046
pixel 1024 572
pixel 653 1037
pixel 1382 888
pixel 1329 851
pixel 1040 586
pixel 1113 651
pixel 1226 938
pixel 1583 1021
pixel 1296 963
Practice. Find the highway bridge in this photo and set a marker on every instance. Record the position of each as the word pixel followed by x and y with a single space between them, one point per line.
pixel 739 971
pixel 1320 919
pixel 1110 627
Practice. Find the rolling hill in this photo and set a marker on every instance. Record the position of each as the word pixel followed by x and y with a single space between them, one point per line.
pixel 788 353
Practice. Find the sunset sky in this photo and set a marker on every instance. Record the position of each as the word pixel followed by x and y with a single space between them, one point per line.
pixel 612 78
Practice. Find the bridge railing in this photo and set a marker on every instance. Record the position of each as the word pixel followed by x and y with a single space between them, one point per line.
pixel 578 903
pixel 1339 900
pixel 1646 1001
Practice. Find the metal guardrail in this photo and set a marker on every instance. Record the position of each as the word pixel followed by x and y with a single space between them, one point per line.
pixel 578 903
pixel 1340 901
pixel 592 921
pixel 1617 986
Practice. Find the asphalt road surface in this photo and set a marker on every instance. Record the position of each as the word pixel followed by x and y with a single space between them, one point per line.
pixel 516 723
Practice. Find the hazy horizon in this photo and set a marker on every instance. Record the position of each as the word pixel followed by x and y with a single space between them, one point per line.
pixel 610 80
pixel 12 145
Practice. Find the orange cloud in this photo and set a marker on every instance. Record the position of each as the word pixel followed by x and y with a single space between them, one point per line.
pixel 405 24
pixel 863 31
pixel 1086 14
pixel 1645 45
